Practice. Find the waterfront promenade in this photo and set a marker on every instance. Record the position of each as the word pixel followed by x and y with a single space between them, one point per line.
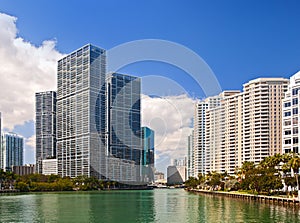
pixel 250 197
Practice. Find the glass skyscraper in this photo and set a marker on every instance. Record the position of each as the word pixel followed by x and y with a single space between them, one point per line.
pixel 81 113
pixel 148 154
pixel 123 127
pixel 11 151
pixel 45 127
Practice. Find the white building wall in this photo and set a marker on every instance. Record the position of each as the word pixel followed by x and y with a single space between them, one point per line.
pixel 290 116
pixel 49 166
pixel 199 138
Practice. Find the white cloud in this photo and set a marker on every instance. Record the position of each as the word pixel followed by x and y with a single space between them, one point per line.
pixel 30 141
pixel 29 152
pixel 25 69
pixel 171 119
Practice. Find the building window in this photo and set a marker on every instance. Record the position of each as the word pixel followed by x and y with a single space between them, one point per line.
pixel 295 140
pixel 287 141
pixel 295 91
pixel 287 114
pixel 295 130
pixel 287 104
pixel 295 120
pixel 287 132
pixel 286 123
pixel 295 101
pixel 295 111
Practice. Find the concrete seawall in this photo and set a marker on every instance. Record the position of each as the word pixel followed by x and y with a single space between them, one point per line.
pixel 9 191
pixel 250 197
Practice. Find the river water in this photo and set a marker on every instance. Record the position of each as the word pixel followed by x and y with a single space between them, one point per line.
pixel 159 205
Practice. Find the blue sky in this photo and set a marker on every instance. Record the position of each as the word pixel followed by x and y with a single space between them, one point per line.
pixel 239 40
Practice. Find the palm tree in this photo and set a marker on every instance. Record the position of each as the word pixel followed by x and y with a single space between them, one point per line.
pixel 293 165
pixel 272 161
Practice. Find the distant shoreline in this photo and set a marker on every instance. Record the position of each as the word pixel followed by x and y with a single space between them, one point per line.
pixel 4 192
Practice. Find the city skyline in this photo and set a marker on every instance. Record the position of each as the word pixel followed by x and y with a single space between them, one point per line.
pixel 262 42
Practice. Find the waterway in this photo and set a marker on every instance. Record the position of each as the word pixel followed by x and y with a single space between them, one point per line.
pixel 159 205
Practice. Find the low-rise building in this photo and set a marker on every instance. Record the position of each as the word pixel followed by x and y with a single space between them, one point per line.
pixel 23 170
pixel 176 175
pixel 49 166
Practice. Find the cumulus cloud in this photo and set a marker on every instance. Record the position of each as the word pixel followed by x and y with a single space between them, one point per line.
pixel 31 141
pixel 171 119
pixel 29 153
pixel 25 69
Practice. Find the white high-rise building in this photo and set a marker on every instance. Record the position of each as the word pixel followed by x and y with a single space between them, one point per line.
pixel 224 134
pixel 233 131
pixel 214 142
pixel 262 120
pixel 290 116
pixel 199 133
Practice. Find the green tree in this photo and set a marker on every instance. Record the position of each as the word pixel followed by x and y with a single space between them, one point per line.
pixel 192 182
pixel 63 184
pixel 214 180
pixel 23 187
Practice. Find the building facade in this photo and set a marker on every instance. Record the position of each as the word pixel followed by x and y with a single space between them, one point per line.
pixel 232 155
pixel 81 113
pixel 24 170
pixel 262 120
pixel 214 139
pixel 190 156
pixel 290 116
pixel 224 134
pixel 159 176
pixel 148 154
pixel 11 151
pixel 176 175
pixel 124 144
pixel 45 127
pixel 50 167
pixel 199 156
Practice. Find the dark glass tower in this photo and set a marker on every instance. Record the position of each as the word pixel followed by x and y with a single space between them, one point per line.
pixel 123 127
pixel 45 127
pixel 148 154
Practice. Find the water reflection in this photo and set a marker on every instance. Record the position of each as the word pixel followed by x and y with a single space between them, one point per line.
pixel 139 206
pixel 222 209
pixel 109 206
pixel 122 206
pixel 175 206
